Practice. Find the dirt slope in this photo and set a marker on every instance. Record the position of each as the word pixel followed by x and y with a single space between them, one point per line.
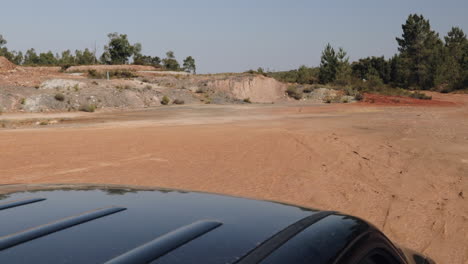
pixel 258 89
pixel 6 65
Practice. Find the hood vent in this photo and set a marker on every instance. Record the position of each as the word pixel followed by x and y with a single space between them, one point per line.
pixel 164 244
pixel 43 230
pixel 21 202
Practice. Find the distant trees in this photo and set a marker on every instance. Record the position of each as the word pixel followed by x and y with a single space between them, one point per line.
pixel 372 66
pixel 334 66
pixel 170 62
pixel 147 60
pixel 189 65
pixel 119 50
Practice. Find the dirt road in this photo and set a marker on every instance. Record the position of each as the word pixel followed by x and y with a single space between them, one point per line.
pixel 405 169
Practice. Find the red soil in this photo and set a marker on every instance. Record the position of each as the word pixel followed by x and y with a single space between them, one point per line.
pixel 386 100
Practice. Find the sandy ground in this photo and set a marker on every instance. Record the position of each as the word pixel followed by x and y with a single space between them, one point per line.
pixel 405 169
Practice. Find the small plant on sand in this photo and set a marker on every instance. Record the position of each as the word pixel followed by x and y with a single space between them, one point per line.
pixel 23 101
pixel 59 97
pixel 43 123
pixel 178 102
pixel 165 100
pixel 307 90
pixel 88 108
pixel 419 95
pixel 247 101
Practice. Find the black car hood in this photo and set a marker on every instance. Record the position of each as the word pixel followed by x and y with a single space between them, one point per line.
pixel 149 213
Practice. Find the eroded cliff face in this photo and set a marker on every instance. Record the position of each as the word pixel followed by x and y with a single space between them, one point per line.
pixel 258 89
pixel 139 92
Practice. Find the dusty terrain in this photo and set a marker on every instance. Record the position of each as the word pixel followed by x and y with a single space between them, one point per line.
pixel 404 168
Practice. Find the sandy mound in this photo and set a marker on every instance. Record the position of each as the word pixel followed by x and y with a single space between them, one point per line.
pixel 103 68
pixel 258 89
pixel 61 83
pixel 6 65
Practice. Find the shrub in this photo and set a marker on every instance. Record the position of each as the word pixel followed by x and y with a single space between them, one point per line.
pixel 247 100
pixel 307 90
pixel 43 123
pixel 112 74
pixel 88 108
pixel 165 100
pixel 419 95
pixel 95 74
pixel 23 101
pixel 178 102
pixel 359 97
pixel 59 97
pixel 294 93
pixel 65 67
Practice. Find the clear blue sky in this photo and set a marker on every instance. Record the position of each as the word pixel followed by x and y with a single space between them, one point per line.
pixel 225 35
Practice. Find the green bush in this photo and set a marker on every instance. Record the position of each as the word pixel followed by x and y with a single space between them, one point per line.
pixel 165 100
pixel 59 97
pixel 293 92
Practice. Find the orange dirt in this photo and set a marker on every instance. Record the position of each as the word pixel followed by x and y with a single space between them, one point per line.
pixel 385 100
pixel 6 65
pixel 405 169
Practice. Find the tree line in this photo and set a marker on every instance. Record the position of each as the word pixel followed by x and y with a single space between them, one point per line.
pixel 118 50
pixel 424 61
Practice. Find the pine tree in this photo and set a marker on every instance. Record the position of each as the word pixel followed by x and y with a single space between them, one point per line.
pixel 328 65
pixel 420 52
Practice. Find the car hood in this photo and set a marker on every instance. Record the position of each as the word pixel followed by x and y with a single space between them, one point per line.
pixel 134 217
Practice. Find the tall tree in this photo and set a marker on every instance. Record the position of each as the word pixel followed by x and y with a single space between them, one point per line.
pixel 420 49
pixel 343 69
pixel 189 65
pixel 453 72
pixel 328 65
